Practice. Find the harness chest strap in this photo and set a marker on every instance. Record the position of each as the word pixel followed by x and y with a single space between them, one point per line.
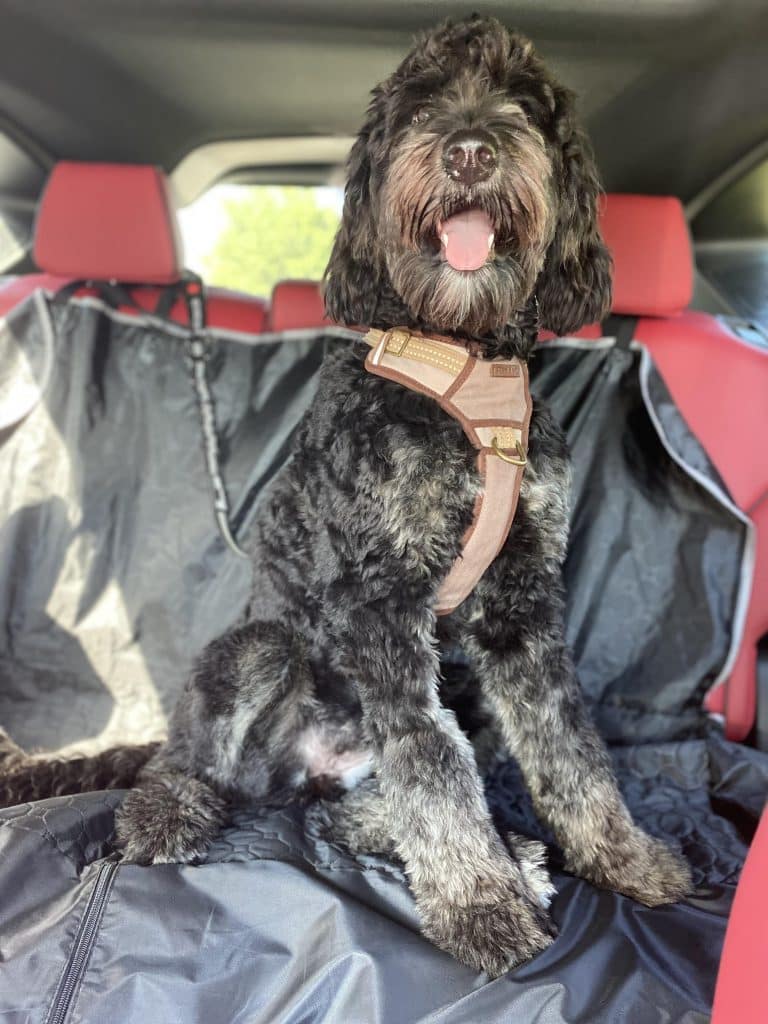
pixel 491 401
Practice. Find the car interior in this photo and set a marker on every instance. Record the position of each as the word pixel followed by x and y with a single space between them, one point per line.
pixel 115 119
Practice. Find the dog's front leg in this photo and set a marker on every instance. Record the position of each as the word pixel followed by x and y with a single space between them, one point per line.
pixel 514 634
pixel 473 898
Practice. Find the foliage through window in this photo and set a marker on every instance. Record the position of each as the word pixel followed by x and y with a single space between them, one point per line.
pixel 249 237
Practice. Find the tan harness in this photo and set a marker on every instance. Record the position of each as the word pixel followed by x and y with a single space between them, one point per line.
pixel 491 401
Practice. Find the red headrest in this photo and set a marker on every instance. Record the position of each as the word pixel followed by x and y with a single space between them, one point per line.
pixel 648 238
pixel 653 261
pixel 296 304
pixel 108 222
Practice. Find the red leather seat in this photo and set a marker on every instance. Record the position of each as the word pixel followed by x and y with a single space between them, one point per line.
pixel 296 305
pixel 719 382
pixel 112 221
pixel 741 995
pixel 118 222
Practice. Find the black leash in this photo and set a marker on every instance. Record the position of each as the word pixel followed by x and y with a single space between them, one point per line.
pixel 193 292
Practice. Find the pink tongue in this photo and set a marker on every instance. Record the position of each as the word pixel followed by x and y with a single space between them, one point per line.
pixel 466 239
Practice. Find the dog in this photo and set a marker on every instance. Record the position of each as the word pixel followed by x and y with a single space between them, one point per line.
pixel 470 212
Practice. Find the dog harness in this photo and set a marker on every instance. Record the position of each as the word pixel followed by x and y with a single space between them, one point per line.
pixel 491 401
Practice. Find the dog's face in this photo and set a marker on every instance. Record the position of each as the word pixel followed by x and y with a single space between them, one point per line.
pixel 471 190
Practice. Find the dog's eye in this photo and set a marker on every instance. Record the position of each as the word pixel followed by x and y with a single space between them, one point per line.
pixel 420 116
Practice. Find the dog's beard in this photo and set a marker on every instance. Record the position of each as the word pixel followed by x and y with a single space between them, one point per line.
pixel 473 302
pixel 416 200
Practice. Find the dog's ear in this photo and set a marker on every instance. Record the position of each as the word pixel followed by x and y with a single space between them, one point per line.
pixel 352 277
pixel 574 287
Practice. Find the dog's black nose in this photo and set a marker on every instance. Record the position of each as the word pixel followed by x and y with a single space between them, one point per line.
pixel 469 156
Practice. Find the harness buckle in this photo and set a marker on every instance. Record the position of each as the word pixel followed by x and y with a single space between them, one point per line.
pixel 378 352
pixel 395 340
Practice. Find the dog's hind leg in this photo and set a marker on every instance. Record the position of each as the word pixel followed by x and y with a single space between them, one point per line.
pixel 169 817
pixel 360 822
pixel 233 736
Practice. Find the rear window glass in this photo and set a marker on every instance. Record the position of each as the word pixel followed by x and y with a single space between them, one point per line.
pixel 249 237
pixel 731 236
pixel 21 181
pixel 11 246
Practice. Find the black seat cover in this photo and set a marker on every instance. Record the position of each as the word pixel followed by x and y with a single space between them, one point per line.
pixel 112 576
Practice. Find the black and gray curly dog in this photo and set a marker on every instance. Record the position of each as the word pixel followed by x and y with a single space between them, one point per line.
pixel 335 677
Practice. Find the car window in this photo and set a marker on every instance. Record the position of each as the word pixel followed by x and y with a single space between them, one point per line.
pixel 21 180
pixel 249 237
pixel 731 237
pixel 11 247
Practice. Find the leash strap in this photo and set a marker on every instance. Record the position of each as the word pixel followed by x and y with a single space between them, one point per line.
pixel 491 400
pixel 191 289
pixel 194 296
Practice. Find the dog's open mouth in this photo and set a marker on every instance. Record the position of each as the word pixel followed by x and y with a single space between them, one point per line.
pixel 466 239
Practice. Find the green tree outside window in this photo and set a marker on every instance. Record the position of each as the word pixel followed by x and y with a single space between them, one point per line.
pixel 269 234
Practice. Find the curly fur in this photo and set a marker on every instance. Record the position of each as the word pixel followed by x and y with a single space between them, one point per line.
pixel 543 198
pixel 36 777
pixel 336 674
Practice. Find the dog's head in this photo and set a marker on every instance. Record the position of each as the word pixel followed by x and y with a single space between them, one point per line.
pixel 471 190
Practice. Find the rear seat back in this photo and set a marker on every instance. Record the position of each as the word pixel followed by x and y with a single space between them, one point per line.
pixel 130 453
pixel 117 222
pixel 111 221
pixel 296 305
pixel 718 381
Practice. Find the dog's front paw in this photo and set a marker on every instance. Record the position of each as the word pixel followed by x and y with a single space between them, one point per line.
pixel 639 866
pixel 489 936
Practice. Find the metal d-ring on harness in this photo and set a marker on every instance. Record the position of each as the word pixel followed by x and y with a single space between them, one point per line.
pixel 521 460
pixel 197 351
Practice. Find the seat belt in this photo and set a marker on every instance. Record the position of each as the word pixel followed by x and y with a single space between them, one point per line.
pixel 620 327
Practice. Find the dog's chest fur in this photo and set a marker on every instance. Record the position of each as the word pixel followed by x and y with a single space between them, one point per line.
pixel 381 481
pixel 420 468
pixel 430 487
